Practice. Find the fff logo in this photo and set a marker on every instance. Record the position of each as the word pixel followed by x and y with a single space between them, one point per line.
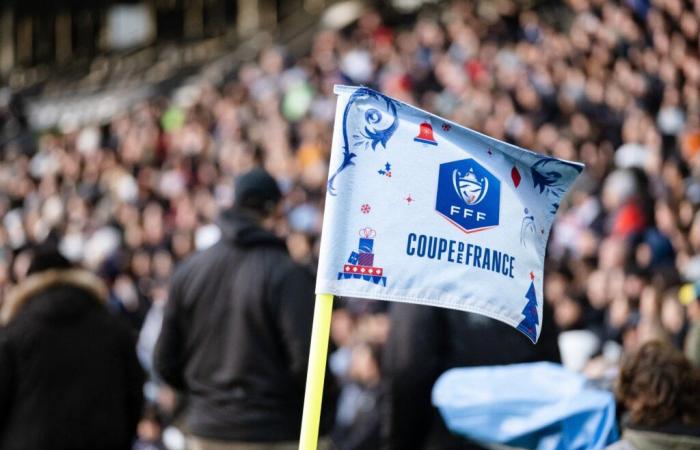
pixel 468 195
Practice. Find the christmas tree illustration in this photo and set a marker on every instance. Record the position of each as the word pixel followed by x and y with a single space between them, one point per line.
pixel 529 324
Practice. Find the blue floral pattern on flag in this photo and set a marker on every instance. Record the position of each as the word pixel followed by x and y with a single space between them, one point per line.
pixel 548 176
pixel 371 131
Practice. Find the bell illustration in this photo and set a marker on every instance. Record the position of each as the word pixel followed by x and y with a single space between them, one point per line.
pixel 426 134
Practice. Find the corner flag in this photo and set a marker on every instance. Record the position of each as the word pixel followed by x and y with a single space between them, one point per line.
pixel 422 210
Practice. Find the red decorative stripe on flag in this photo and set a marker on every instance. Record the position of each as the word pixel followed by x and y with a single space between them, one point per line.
pixel 369 270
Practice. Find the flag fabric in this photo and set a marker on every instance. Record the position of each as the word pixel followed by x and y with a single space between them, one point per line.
pixel 539 405
pixel 422 210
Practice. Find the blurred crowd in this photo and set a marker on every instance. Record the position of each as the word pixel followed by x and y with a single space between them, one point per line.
pixel 613 84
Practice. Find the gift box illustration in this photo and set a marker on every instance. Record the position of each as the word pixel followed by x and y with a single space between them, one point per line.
pixel 360 263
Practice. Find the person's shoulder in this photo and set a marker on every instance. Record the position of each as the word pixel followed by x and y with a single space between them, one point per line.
pixel 670 437
pixel 621 445
pixel 113 327
pixel 269 255
pixel 198 261
pixel 287 272
pixel 289 267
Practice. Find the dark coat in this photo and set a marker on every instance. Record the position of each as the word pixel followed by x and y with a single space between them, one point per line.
pixel 69 376
pixel 236 334
pixel 674 435
pixel 423 343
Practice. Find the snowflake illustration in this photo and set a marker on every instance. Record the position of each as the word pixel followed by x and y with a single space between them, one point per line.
pixel 365 208
pixel 446 126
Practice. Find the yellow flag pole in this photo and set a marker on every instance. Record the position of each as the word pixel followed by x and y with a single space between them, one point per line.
pixel 316 373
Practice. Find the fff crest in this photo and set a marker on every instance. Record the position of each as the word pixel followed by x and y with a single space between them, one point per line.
pixel 468 195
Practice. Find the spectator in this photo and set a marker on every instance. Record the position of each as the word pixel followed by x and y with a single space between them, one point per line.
pixel 236 331
pixel 359 330
pixel 358 418
pixel 423 343
pixel 659 389
pixel 69 377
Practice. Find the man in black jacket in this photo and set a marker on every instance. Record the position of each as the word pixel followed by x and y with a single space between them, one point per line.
pixel 237 328
pixel 69 376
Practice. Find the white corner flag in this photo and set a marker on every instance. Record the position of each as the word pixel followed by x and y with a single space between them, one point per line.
pixel 422 210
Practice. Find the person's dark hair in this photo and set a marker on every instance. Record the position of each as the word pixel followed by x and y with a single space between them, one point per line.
pixel 658 384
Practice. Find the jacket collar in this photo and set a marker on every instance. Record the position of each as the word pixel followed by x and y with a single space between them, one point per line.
pixel 42 281
pixel 241 228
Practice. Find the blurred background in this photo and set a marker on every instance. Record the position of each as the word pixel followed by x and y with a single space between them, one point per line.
pixel 124 124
